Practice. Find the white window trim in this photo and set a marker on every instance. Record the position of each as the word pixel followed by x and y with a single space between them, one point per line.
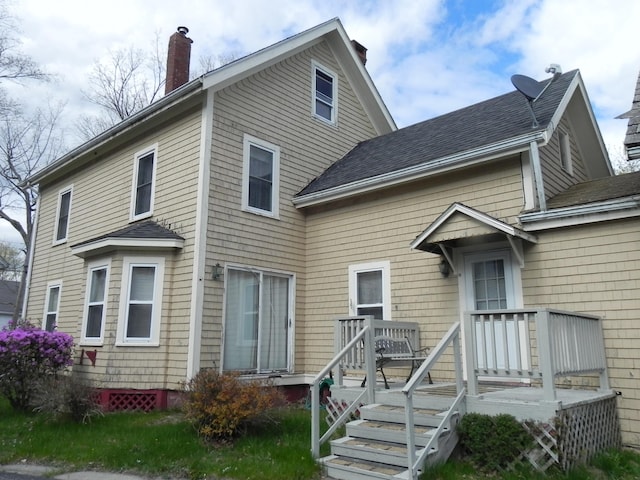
pixel 84 340
pixel 248 141
pixel 51 285
pixel 61 193
pixel 154 338
pixel 134 183
pixel 385 267
pixel 334 110
pixel 566 158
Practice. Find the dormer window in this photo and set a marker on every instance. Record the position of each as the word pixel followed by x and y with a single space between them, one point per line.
pixel 324 93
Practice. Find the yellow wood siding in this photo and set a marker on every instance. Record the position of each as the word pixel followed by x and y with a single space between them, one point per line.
pixel 381 227
pixel 101 204
pixel 274 106
pixel 595 269
pixel 555 178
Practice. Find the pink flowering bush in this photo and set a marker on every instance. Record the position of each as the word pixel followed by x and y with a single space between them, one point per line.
pixel 28 355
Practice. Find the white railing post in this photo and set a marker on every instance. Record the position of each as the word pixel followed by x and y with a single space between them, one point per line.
pixel 545 355
pixel 370 359
pixel 470 355
pixel 457 358
pixel 315 420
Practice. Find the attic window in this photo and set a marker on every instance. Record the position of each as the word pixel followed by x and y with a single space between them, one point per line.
pixel 324 93
pixel 565 152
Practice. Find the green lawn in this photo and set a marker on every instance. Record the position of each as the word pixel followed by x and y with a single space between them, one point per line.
pixel 164 444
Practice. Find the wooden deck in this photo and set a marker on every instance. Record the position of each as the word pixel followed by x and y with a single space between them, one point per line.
pixel 526 354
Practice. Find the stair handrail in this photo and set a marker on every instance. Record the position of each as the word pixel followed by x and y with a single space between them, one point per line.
pixel 316 440
pixel 451 337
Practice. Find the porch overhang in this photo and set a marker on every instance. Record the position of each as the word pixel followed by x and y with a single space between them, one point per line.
pixel 461 225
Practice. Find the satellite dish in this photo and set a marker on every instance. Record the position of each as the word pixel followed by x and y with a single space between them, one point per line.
pixel 527 86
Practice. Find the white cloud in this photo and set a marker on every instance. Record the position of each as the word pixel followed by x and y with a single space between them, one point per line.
pixel 426 57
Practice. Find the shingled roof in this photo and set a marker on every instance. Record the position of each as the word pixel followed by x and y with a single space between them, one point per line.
pixel 600 190
pixel 484 123
pixel 146 230
pixel 632 137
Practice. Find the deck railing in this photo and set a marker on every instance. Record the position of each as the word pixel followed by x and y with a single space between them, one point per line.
pixel 540 344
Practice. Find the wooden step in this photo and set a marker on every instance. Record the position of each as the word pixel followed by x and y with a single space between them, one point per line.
pixel 388 432
pixel 387 453
pixel 342 468
pixel 428 417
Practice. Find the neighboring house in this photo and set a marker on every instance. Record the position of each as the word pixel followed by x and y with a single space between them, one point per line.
pixel 230 223
pixel 8 299
pixel 632 137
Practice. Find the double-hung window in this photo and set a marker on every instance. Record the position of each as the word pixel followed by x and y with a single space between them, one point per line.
pixel 260 177
pixel 141 301
pixel 52 306
pixel 144 174
pixel 324 93
pixel 96 303
pixel 62 215
pixel 369 290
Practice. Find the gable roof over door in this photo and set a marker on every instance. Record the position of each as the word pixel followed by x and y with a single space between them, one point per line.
pixel 496 127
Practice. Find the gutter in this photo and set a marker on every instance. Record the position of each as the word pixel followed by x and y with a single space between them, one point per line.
pixel 163 103
pixel 580 214
pixel 441 165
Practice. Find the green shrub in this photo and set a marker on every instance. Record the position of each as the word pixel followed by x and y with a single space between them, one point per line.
pixel 222 406
pixel 67 396
pixel 492 443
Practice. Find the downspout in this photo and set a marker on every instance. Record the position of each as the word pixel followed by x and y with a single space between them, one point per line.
pixel 537 174
pixel 200 239
pixel 27 286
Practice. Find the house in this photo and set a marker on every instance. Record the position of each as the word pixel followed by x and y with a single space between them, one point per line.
pixel 154 232
pixel 231 223
pixel 8 299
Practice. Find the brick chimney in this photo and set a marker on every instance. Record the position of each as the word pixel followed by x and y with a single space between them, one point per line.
pixel 178 58
pixel 361 51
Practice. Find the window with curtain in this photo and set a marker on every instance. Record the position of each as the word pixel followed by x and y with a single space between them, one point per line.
pixel 257 321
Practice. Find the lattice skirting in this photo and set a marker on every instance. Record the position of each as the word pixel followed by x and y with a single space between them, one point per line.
pixel 587 429
pixel 121 400
pixel 574 436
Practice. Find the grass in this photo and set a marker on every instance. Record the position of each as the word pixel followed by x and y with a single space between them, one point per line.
pixel 163 444
pixel 158 444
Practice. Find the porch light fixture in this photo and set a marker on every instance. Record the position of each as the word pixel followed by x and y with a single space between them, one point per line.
pixel 217 271
pixel 444 268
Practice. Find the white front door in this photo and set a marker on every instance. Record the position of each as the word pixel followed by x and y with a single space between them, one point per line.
pixel 492 282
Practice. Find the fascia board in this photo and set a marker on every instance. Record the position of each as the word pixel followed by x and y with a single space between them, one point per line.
pixel 252 63
pixel 424 170
pixel 177 96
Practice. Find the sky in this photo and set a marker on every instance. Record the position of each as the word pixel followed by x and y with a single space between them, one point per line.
pixel 426 57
